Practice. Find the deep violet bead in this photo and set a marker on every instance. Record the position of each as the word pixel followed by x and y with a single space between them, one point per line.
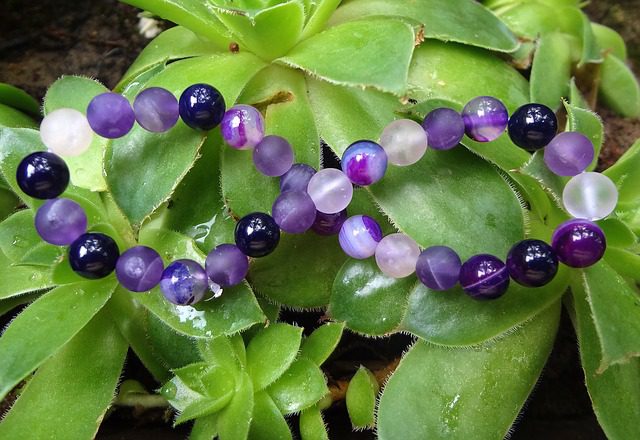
pixel 359 236
pixel 156 109
pixel 328 224
pixel 202 106
pixel 444 127
pixel 184 282
pixel 532 263
pixel 257 234
pixel 294 211
pixel 484 277
pixel 532 126
pixel 139 269
pixel 226 265
pixel 297 178
pixel 579 243
pixel 485 118
pixel 60 221
pixel 93 255
pixel 364 162
pixel 438 267
pixel 42 175
pixel 110 115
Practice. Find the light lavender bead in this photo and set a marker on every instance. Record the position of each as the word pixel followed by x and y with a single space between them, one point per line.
pixel 156 109
pixel 139 269
pixel 226 265
pixel 590 195
pixel 569 153
pixel 66 132
pixel 359 236
pixel 242 127
pixel 485 118
pixel 438 267
pixel 273 156
pixel 331 190
pixel 294 212
pixel 60 221
pixel 404 141
pixel 396 255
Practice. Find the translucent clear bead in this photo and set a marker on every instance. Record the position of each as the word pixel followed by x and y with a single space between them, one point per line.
pixel 66 132
pixel 591 196
pixel 396 255
pixel 404 141
pixel 331 190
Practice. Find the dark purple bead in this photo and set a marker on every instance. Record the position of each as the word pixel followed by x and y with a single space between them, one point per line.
pixel 297 178
pixel 42 175
pixel 532 263
pixel 202 107
pixel 139 269
pixel 60 221
pixel 444 127
pixel 226 265
pixel 93 255
pixel 110 115
pixel 485 118
pixel 533 126
pixel 579 243
pixel 257 234
pixel 184 282
pixel 328 224
pixel 364 162
pixel 156 109
pixel 438 267
pixel 294 211
pixel 484 277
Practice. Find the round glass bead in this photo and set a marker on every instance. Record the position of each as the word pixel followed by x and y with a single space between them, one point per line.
pixel 297 178
pixel 156 109
pixel 60 221
pixel 66 132
pixel 444 128
pixel 359 236
pixel 364 162
pixel 93 255
pixel 294 212
pixel 579 243
pixel 329 224
pixel 485 118
pixel 257 234
pixel 404 141
pixel 533 126
pixel 201 106
pixel 226 265
pixel 438 267
pixel 569 153
pixel 590 195
pixel 484 277
pixel 396 255
pixel 42 175
pixel 242 127
pixel 532 263
pixel 273 156
pixel 139 269
pixel 184 282
pixel 331 190
pixel 110 115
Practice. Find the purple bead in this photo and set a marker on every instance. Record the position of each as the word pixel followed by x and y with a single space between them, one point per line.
pixel 139 269
pixel 579 243
pixel 444 128
pixel 110 115
pixel 60 221
pixel 297 178
pixel 156 109
pixel 242 127
pixel 569 153
pixel 359 236
pixel 438 267
pixel 273 156
pixel 364 162
pixel 329 224
pixel 184 282
pixel 485 118
pixel 294 212
pixel 226 265
pixel 532 263
pixel 484 277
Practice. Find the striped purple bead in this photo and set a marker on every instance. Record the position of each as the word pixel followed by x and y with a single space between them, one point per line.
pixel 242 127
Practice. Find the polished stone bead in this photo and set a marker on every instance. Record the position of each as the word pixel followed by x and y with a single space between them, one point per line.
pixel 242 127
pixel 139 269
pixel 590 195
pixel 297 178
pixel 66 132
pixel 396 255
pixel 42 175
pixel 359 236
pixel 273 156
pixel 484 277
pixel 579 243
pixel 184 282
pixel 438 267
pixel 93 255
pixel 294 212
pixel 485 118
pixel 364 162
pixel 226 265
pixel 532 263
pixel 569 153
pixel 257 234
pixel 328 224
pixel 110 115
pixel 331 190
pixel 533 126
pixel 201 106
pixel 156 109
pixel 404 141
pixel 60 221
pixel 444 128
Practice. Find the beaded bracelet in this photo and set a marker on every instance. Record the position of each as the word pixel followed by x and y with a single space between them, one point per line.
pixel 317 200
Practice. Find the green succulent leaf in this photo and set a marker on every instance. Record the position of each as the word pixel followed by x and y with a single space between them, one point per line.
pixel 551 70
pixel 268 422
pixel 8 304
pixel 321 343
pixel 234 421
pixel 18 99
pixel 223 351
pixel 618 87
pixel 553 184
pixel 361 398
pixel 609 40
pixel 301 386
pixel 172 349
pixel 186 386
pixel 203 407
pixel 12 118
pixel 18 280
pixel 625 173
pixel 205 428
pixel 591 50
pixel 589 124
pixel 319 14
pixel 312 426
pixel 625 263
pixel 18 235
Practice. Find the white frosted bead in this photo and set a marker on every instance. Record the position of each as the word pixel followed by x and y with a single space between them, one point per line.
pixel 397 255
pixel 592 196
pixel 404 141
pixel 331 190
pixel 66 132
